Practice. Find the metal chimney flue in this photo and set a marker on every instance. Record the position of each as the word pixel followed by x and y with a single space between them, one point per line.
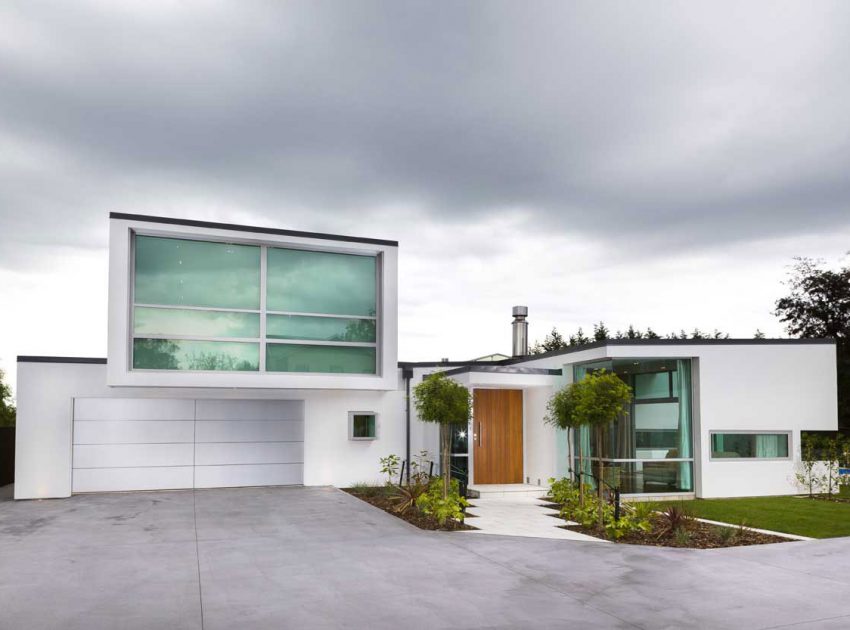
pixel 520 330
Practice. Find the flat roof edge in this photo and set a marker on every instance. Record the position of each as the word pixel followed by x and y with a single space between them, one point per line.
pixel 43 359
pixel 671 342
pixel 502 369
pixel 250 228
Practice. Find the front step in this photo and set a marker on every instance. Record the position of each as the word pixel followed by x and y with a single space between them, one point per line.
pixel 476 491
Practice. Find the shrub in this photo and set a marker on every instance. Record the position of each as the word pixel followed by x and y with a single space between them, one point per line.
pixel 628 523
pixel 563 491
pixel 673 520
pixel 433 503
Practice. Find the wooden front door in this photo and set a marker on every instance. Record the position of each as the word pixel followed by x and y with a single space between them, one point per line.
pixel 497 435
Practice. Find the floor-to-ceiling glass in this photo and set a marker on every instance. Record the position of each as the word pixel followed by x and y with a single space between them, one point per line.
pixel 649 450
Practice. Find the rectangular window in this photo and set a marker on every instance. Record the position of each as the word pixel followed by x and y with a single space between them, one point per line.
pixel 362 425
pixel 197 306
pixel 174 321
pixel 285 357
pixel 302 281
pixel 179 272
pixel 184 354
pixel 750 445
pixel 300 327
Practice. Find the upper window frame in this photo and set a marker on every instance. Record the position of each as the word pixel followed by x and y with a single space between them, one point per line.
pixel 263 341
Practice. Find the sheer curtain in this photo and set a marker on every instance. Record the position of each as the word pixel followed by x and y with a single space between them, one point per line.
pixel 683 366
pixel 767 445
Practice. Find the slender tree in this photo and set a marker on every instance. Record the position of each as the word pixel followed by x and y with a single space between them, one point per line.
pixel 560 413
pixel 596 402
pixel 441 400
pixel 7 407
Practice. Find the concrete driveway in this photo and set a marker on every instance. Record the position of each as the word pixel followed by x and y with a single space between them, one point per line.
pixel 318 558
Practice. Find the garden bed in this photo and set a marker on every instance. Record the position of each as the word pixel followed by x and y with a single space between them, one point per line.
pixel 378 497
pixel 697 535
pixel 693 534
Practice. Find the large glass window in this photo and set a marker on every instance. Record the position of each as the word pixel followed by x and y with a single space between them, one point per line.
pixel 302 281
pixel 649 450
pixel 199 306
pixel 749 445
pixel 180 272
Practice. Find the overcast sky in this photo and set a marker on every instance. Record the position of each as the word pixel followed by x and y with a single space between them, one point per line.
pixel 654 163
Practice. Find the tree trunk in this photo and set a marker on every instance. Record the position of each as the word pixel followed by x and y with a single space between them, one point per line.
pixel 580 473
pixel 445 457
pixel 601 476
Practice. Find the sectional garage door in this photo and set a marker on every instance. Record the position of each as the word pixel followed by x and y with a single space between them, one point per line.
pixel 154 444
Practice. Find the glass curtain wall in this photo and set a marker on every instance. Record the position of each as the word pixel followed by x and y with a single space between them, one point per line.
pixel 651 449
pixel 211 306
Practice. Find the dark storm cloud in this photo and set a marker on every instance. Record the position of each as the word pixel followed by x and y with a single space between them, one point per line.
pixel 669 123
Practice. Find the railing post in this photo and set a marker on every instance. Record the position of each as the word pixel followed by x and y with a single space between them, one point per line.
pixel 616 504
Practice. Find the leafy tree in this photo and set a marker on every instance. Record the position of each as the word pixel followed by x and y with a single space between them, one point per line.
pixel 579 339
pixel 601 332
pixel 818 305
pixel 560 413
pixel 8 412
pixel 596 402
pixel 553 341
pixel 445 402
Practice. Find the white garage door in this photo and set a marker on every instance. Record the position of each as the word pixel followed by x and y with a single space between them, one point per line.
pixel 154 444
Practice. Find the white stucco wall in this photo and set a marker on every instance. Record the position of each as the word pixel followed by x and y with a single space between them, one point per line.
pixel 44 425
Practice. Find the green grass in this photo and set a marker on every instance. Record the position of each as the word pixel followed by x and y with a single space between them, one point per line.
pixel 792 515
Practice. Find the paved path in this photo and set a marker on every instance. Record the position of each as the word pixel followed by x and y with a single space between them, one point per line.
pixel 319 558
pixel 519 515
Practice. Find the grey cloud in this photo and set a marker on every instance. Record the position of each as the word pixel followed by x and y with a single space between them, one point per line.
pixel 654 125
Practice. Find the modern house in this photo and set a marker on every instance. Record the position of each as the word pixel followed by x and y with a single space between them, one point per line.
pixel 246 356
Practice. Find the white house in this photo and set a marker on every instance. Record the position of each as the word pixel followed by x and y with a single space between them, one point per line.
pixel 246 356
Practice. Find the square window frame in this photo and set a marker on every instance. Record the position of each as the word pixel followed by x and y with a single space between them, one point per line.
pixel 351 415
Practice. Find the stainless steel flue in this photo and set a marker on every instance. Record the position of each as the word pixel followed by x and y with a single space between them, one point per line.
pixel 520 330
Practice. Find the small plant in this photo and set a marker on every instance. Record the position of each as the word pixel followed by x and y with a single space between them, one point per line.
pixel 807 475
pixel 433 503
pixel 368 490
pixel 682 537
pixel 727 535
pixel 673 520
pixel 389 467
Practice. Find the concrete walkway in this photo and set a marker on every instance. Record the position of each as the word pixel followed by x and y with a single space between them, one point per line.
pixel 519 514
pixel 318 558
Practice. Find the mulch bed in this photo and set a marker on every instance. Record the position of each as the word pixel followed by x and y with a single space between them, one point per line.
pixel 412 516
pixel 699 535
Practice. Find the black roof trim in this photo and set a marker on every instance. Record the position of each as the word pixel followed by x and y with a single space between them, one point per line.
pixel 420 364
pixel 671 342
pixel 249 228
pixel 500 369
pixel 37 359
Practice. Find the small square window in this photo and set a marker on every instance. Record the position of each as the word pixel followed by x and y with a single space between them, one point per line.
pixel 362 425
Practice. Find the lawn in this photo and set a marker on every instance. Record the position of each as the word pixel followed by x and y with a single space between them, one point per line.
pixel 792 515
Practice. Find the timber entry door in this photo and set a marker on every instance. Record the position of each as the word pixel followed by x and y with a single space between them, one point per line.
pixel 497 435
